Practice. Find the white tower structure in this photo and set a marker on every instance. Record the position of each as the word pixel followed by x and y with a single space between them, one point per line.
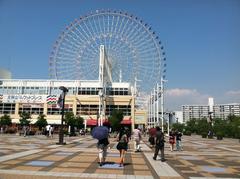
pixel 210 104
pixel 105 77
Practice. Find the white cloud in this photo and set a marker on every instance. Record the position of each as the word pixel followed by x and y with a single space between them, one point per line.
pixel 181 92
pixel 233 93
pixel 175 98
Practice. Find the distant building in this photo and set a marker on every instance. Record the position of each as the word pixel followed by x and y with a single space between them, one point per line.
pixel 5 74
pixel 178 116
pixel 211 110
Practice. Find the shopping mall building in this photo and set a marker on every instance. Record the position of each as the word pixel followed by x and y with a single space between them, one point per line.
pixel 40 97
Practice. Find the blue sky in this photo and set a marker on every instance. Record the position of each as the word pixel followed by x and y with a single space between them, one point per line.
pixel 201 40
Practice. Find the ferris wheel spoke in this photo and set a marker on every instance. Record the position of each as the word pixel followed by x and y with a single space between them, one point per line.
pixel 110 31
pixel 93 36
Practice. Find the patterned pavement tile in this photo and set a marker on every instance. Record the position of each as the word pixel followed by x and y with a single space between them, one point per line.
pixel 73 170
pixel 200 158
pixel 28 168
pixel 75 164
pixel 40 163
pixel 140 167
pixel 53 157
pixel 12 162
pixel 112 171
pixel 30 157
pixel 142 172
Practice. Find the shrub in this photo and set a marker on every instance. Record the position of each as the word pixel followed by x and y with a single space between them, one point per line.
pixel 187 133
pixel 204 135
pixel 219 135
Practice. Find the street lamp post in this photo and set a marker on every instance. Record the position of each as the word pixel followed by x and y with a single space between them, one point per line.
pixel 61 101
pixel 162 100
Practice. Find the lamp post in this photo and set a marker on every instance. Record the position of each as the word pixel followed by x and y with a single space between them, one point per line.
pixel 61 102
pixel 162 100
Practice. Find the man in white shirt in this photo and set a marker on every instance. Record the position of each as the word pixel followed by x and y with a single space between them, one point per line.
pixel 47 130
pixel 137 136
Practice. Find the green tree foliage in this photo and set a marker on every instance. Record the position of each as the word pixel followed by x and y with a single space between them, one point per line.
pixel 25 118
pixel 233 126
pixel 115 119
pixel 70 118
pixel 222 128
pixel 79 122
pixel 41 121
pixel 202 126
pixel 73 121
pixel 219 127
pixel 70 121
pixel 178 126
pixel 5 120
pixel 191 126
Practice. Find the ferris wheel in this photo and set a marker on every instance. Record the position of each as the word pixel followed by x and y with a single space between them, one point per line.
pixel 132 47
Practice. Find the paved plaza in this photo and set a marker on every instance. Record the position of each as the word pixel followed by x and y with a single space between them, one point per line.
pixel 37 157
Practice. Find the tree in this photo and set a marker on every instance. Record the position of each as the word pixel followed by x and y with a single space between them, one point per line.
pixel 41 122
pixel 178 126
pixel 5 120
pixel 70 121
pixel 25 119
pixel 219 127
pixel 79 122
pixel 115 119
pixel 191 125
pixel 233 126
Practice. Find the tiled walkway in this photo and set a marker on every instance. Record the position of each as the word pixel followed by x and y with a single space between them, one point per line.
pixel 38 157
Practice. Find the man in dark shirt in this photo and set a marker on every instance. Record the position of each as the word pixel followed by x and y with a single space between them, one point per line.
pixel 159 144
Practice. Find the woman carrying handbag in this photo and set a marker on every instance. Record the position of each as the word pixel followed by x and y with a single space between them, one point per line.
pixel 122 145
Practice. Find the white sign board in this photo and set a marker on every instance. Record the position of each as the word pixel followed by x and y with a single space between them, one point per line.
pixel 22 98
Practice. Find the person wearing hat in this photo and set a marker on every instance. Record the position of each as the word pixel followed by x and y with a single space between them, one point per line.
pixel 159 144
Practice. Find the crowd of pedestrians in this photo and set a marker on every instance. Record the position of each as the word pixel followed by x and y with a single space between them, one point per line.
pixel 156 139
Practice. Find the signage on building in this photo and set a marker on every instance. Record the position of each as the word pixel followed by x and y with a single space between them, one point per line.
pixel 28 98
pixel 24 98
pixel 139 119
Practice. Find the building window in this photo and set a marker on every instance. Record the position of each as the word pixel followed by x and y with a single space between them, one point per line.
pixel 33 109
pixel 7 108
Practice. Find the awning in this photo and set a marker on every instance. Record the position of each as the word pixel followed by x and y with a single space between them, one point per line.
pixel 91 122
pixel 94 122
pixel 126 121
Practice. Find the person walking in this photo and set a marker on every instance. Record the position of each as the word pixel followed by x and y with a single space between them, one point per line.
pixel 122 145
pixel 47 130
pixel 24 131
pixel 179 141
pixel 50 131
pixel 102 146
pixel 151 140
pixel 159 144
pixel 171 140
pixel 137 136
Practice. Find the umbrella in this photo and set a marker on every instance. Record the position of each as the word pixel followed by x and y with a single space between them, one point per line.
pixel 100 132
pixel 152 131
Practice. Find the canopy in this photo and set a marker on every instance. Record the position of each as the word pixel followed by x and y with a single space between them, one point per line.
pixel 126 121
pixel 91 122
pixel 94 122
